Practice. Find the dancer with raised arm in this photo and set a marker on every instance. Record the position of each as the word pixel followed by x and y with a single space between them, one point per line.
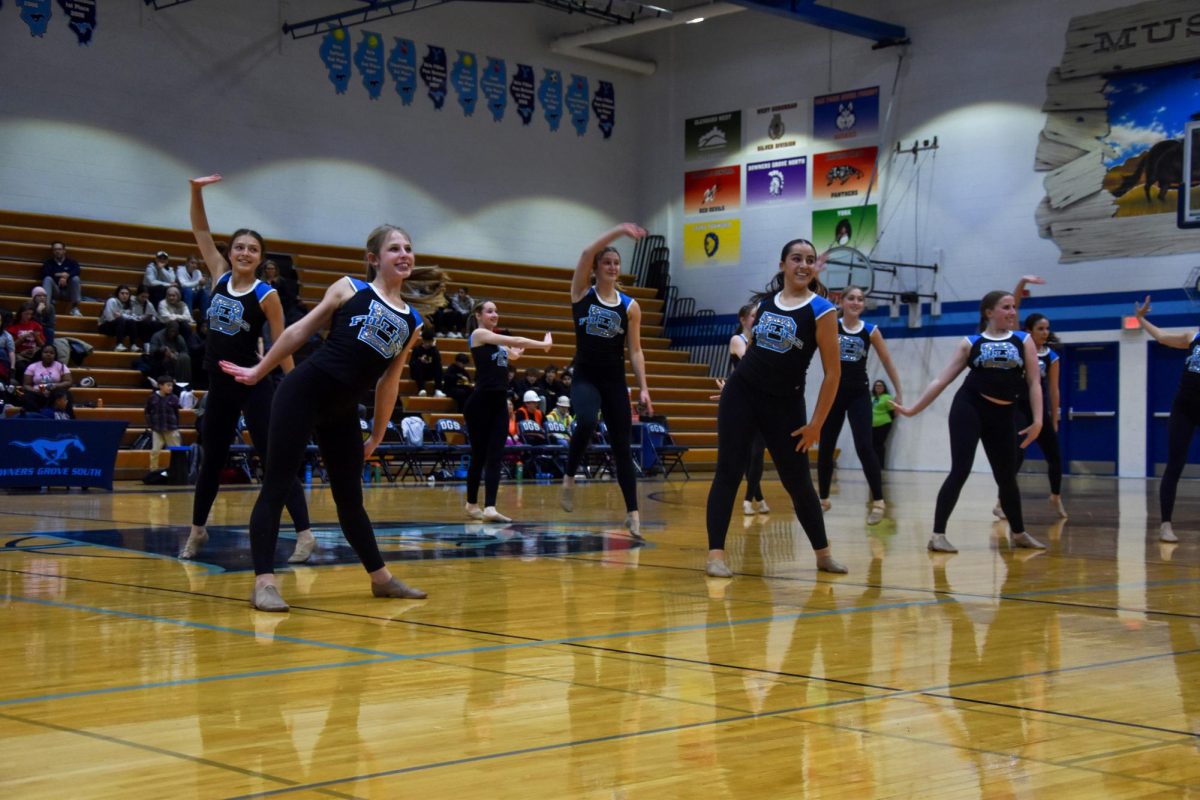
pixel 486 412
pixel 372 328
pixel 606 320
pixel 240 308
pixel 765 395
pixel 999 359
pixel 1185 415
pixel 753 503
pixel 855 340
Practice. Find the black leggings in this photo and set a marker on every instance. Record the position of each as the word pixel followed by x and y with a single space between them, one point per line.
pixel 607 394
pixel 486 415
pixel 1185 418
pixel 974 419
pixel 120 329
pixel 879 435
pixel 854 405
pixel 744 411
pixel 310 400
pixel 1047 440
pixel 227 400
pixel 754 470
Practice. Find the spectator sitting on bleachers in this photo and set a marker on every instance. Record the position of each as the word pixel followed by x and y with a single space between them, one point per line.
pixel 169 354
pixel 548 386
pixel 193 285
pixel 43 312
pixel 147 317
pixel 522 386
pixel 8 349
pixel 118 320
pixel 159 276
pixel 172 309
pixel 425 364
pixel 451 319
pixel 531 407
pixel 561 413
pixel 60 276
pixel 457 381
pixel 28 339
pixel 60 406
pixel 43 377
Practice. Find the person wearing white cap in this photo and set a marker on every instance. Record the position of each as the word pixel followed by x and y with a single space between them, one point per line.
pixel 561 413
pixel 486 411
pixel 159 276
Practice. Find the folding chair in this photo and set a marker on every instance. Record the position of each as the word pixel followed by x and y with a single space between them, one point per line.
pixel 454 444
pixel 669 454
pixel 539 454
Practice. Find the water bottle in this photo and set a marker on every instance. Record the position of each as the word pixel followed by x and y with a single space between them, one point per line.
pixel 366 473
pixel 377 475
pixel 308 473
pixel 520 471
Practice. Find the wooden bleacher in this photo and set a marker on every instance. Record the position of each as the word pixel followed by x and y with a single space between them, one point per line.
pixel 532 299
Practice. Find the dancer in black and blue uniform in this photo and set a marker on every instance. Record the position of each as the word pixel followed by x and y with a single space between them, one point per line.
pixel 753 503
pixel 856 337
pixel 372 328
pixel 242 306
pixel 765 395
pixel 606 319
pixel 1185 416
pixel 1000 360
pixel 486 412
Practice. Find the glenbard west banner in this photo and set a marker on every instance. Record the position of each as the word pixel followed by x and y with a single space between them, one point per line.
pixel 58 452
pixel 712 243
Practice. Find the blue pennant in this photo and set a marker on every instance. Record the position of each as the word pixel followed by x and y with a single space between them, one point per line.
pixel 433 73
pixel 604 103
pixel 402 64
pixel 465 77
pixel 35 14
pixel 522 92
pixel 577 103
pixel 81 15
pixel 550 95
pixel 335 53
pixel 495 75
pixel 368 57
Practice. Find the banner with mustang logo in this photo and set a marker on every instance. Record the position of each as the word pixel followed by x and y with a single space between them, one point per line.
pixel 58 452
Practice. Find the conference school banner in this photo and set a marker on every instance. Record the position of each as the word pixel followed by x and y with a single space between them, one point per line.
pixel 777 182
pixel 843 174
pixel 846 115
pixel 853 227
pixel 712 243
pixel 712 191
pixel 713 136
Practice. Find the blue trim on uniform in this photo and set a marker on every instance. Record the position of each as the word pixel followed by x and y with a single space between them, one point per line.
pixel 358 284
pixel 224 277
pixel 821 306
pixel 1050 356
pixel 262 289
pixel 418 322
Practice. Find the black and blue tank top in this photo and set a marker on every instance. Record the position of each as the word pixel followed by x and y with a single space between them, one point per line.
pixel 366 335
pixel 785 339
pixel 1189 381
pixel 997 366
pixel 600 331
pixel 734 359
pixel 852 350
pixel 235 323
pixel 491 367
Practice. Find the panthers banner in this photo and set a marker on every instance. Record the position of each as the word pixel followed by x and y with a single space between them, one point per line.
pixel 58 452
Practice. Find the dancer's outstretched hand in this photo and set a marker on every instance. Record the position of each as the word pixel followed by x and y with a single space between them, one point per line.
pixel 246 375
pixel 206 180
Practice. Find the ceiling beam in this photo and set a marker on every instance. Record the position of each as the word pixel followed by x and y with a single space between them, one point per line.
pixel 807 11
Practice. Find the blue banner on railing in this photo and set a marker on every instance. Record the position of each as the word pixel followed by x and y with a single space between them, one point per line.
pixel 36 452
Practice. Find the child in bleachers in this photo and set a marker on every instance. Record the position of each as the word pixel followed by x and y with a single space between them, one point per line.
pixel 162 418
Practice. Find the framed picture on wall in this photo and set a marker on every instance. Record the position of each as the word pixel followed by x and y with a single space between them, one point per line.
pixel 1189 187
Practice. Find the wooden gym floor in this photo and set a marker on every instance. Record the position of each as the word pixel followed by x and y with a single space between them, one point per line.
pixel 555 659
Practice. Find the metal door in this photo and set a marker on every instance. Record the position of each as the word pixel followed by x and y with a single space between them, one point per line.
pixel 1164 365
pixel 1090 413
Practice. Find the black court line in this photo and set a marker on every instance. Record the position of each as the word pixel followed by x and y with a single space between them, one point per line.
pixel 206 762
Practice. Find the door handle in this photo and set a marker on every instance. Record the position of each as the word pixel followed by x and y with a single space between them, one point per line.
pixel 1162 414
pixel 1073 414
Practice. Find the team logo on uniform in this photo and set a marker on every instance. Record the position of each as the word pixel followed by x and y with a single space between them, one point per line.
pixel 851 348
pixel 1193 360
pixel 382 329
pixel 776 332
pixel 602 322
pixel 998 355
pixel 501 357
pixel 225 315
